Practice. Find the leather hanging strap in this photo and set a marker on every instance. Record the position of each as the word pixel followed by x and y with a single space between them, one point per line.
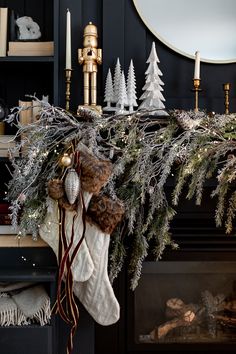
pixel 71 314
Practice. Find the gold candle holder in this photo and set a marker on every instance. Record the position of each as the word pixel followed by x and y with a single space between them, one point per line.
pixel 196 89
pixel 68 73
pixel 226 88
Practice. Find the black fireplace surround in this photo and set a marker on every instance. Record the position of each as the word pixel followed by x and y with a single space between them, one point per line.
pixel 186 302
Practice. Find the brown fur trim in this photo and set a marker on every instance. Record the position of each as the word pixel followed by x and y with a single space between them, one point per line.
pixel 105 212
pixel 56 189
pixel 63 203
pixel 94 173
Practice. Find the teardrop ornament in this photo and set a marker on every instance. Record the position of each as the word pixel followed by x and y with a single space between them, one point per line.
pixel 72 185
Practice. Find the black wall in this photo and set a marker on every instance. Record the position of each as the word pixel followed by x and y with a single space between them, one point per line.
pixel 122 34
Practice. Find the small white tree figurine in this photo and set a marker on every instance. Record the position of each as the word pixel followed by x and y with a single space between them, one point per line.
pixel 122 95
pixel 116 81
pixel 152 97
pixel 109 93
pixel 131 88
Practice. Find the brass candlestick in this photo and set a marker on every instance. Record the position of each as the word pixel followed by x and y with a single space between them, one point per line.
pixel 196 89
pixel 68 83
pixel 226 88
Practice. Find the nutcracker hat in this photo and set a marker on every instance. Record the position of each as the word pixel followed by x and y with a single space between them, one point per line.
pixel 90 30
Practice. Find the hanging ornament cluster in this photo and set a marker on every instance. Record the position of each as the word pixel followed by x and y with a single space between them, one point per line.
pixel 83 171
pixel 66 190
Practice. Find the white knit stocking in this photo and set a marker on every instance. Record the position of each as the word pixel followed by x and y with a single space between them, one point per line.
pixel 82 266
pixel 96 294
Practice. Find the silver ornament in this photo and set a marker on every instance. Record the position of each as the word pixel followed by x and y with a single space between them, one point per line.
pixel 72 185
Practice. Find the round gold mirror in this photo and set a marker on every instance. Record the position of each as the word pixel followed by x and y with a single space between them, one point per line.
pixel 186 26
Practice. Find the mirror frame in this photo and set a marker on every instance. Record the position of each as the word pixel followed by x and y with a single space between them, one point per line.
pixel 177 50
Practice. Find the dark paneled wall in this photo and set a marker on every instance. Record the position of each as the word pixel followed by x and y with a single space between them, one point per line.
pixel 19 78
pixel 122 34
pixel 82 11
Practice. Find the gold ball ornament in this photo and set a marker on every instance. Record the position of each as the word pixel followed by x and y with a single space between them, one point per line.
pixel 66 160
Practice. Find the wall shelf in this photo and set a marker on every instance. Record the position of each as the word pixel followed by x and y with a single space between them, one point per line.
pixel 27 59
pixel 28 274
pixel 26 241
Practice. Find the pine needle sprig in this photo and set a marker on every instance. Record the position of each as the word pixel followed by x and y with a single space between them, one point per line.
pixel 145 152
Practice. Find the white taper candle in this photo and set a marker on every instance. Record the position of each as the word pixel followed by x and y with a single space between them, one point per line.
pixel 68 39
pixel 197 65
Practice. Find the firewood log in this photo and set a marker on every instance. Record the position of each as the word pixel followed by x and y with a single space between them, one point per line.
pixel 162 330
pixel 175 307
pixel 230 306
pixel 225 320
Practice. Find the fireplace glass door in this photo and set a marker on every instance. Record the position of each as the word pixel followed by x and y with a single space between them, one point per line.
pixel 186 302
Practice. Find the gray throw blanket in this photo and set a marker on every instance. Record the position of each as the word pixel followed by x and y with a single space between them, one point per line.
pixel 23 303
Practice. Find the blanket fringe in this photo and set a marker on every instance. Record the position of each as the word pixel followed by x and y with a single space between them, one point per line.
pixel 12 314
pixel 43 316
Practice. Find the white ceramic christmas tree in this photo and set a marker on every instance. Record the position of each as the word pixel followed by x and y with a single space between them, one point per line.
pixel 116 81
pixel 152 97
pixel 109 93
pixel 122 95
pixel 131 88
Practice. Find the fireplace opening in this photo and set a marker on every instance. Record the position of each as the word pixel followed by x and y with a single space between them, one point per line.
pixel 186 302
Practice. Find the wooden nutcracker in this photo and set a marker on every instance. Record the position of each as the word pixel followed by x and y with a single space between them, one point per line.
pixel 90 56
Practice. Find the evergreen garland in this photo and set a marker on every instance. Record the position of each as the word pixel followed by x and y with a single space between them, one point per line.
pixel 144 151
